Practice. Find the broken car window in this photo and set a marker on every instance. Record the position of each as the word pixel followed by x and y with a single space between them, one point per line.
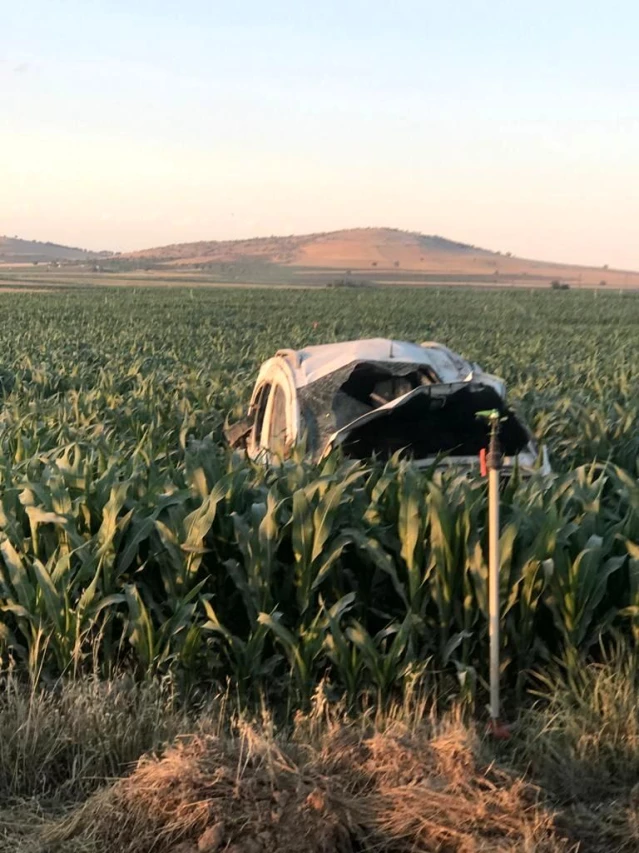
pixel 260 411
pixel 336 400
pixel 277 421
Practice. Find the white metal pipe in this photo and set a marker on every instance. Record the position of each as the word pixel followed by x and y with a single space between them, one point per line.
pixel 493 588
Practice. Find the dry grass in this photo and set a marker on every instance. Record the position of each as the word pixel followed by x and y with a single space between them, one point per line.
pixel 119 768
pixel 581 745
pixel 392 790
pixel 61 744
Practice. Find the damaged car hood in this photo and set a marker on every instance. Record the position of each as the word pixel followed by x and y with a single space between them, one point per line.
pixel 431 391
pixel 435 421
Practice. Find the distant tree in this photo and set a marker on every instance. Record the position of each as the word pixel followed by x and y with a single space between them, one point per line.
pixel 603 282
pixel 396 263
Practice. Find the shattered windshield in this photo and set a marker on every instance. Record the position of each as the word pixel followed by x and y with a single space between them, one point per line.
pixel 422 426
pixel 336 400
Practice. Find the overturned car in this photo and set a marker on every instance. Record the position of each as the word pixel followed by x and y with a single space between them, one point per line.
pixel 378 397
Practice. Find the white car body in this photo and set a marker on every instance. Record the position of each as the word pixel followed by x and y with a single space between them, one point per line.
pixel 377 397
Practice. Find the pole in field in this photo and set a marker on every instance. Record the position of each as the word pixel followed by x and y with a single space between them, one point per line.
pixel 493 465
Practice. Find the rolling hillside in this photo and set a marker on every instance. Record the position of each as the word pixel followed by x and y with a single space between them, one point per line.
pixel 14 250
pixel 385 255
pixel 358 246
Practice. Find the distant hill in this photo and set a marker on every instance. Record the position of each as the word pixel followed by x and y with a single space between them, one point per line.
pixel 359 247
pixel 383 255
pixel 352 257
pixel 14 250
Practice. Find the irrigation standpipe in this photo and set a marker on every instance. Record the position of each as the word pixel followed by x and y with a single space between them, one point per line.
pixel 493 460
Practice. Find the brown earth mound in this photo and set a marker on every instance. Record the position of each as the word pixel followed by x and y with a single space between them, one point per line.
pixel 391 791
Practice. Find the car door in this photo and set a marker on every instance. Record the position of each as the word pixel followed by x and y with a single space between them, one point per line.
pixel 275 412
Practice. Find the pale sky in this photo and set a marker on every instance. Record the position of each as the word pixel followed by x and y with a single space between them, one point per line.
pixel 512 125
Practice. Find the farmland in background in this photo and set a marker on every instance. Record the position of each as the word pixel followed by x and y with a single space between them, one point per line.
pixel 145 571
pixel 129 537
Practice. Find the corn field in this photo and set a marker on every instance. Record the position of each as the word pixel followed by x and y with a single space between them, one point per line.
pixel 131 538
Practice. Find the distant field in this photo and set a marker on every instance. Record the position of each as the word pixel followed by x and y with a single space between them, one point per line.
pixel 29 277
pixel 69 278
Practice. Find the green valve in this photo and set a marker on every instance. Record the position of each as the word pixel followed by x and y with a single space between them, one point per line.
pixel 491 415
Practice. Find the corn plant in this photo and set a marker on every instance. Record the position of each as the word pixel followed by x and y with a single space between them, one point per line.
pixel 130 537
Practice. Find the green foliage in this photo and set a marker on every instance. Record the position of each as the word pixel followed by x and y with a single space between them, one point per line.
pixel 130 537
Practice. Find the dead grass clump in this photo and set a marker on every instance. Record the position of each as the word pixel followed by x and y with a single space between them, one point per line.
pixel 209 794
pixel 430 791
pixel 396 791
pixel 59 744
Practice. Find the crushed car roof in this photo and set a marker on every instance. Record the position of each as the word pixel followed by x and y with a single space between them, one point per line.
pixel 314 362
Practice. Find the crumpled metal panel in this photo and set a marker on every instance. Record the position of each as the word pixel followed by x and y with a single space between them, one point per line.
pixel 326 409
pixel 316 362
